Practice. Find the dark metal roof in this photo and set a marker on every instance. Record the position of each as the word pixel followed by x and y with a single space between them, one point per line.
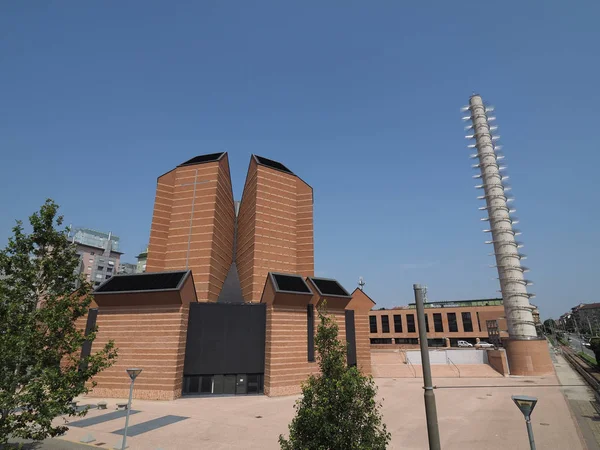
pixel 328 287
pixel 272 164
pixel 283 282
pixel 141 282
pixel 212 157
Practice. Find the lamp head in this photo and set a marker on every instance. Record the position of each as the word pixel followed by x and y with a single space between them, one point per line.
pixel 525 404
pixel 133 373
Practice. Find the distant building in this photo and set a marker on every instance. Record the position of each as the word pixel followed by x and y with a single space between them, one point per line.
pixel 456 320
pixel 141 262
pixel 99 254
pixel 127 268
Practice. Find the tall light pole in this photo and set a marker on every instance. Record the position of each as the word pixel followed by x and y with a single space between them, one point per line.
pixel 133 373
pixel 433 431
pixel 526 405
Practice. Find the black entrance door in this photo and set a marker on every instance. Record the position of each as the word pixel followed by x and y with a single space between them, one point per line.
pixel 241 384
pixel 225 339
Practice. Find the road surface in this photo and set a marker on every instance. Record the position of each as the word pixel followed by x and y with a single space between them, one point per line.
pixel 577 345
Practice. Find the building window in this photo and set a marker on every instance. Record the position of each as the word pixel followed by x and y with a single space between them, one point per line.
pixel 100 268
pixel 452 324
pixel 397 323
pixel 427 323
pixel 91 261
pixel 385 324
pixel 109 269
pixel 373 324
pixel 92 253
pixel 98 275
pixel 478 322
pixel 410 323
pixel 97 283
pixel 382 341
pixel 108 276
pixel 111 263
pixel 438 326
pixel 467 322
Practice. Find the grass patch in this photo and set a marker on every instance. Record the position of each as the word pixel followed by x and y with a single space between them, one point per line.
pixel 588 358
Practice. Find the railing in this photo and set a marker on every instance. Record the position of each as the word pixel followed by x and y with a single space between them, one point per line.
pixel 407 361
pixel 455 366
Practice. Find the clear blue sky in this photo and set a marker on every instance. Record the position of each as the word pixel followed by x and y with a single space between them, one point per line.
pixel 361 99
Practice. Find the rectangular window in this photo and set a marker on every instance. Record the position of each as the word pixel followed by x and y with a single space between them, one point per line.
pixel 385 324
pixel 100 267
pixel 478 322
pixel 111 263
pixel 109 269
pixel 410 323
pixel 372 324
pixel 108 276
pixel 397 323
pixel 91 253
pixel 98 275
pixel 438 326
pixel 452 324
pixel 467 323
pixel 91 261
pixel 310 331
pixel 427 323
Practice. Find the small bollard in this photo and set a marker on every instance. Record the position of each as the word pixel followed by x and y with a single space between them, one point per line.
pixel 101 405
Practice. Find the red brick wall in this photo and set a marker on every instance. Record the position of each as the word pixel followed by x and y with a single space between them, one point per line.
pixel 275 228
pixel 150 337
pixel 194 210
pixel 286 348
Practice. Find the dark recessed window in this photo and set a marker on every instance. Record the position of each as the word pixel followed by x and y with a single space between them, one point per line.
pixel 467 322
pixel 291 283
pixel 108 276
pixel 427 323
pixel 330 287
pixel 202 159
pixel 272 164
pixel 452 324
pixel 385 324
pixel 382 341
pixel 373 324
pixel 143 282
pixel 410 323
pixel 397 323
pixel 438 326
pixel 101 268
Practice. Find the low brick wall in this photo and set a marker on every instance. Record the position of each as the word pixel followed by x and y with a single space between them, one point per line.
pixel 394 346
pixel 497 359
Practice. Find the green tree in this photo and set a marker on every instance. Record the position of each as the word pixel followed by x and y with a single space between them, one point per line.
pixel 595 346
pixel 338 409
pixel 41 297
pixel 549 325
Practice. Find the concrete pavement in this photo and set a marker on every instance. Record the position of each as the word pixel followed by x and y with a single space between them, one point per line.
pixel 474 413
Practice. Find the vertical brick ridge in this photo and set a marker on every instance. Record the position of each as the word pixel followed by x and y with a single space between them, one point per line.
pixel 161 218
pixel 246 232
pixel 223 231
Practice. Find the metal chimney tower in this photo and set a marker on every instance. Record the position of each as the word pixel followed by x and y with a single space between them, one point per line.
pixel 513 284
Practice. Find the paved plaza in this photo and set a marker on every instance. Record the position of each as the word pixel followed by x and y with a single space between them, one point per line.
pixel 474 413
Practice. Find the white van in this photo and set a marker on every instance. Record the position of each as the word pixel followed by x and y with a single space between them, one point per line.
pixel 464 344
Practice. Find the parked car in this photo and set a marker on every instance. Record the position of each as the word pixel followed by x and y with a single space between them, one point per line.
pixel 484 344
pixel 464 344
pixel 587 344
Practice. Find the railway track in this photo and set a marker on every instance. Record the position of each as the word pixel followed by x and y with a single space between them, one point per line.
pixel 590 374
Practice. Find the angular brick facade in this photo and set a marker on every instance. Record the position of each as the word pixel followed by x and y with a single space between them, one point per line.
pixel 275 226
pixel 193 224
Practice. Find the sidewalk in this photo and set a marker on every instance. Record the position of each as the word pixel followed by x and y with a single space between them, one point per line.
pixel 581 400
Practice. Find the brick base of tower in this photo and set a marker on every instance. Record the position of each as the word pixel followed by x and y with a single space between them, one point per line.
pixel 528 357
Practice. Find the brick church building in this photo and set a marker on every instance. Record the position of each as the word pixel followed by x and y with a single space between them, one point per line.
pixel 228 304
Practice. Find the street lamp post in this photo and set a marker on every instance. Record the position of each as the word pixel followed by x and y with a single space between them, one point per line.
pixel 526 405
pixel 133 373
pixel 433 432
